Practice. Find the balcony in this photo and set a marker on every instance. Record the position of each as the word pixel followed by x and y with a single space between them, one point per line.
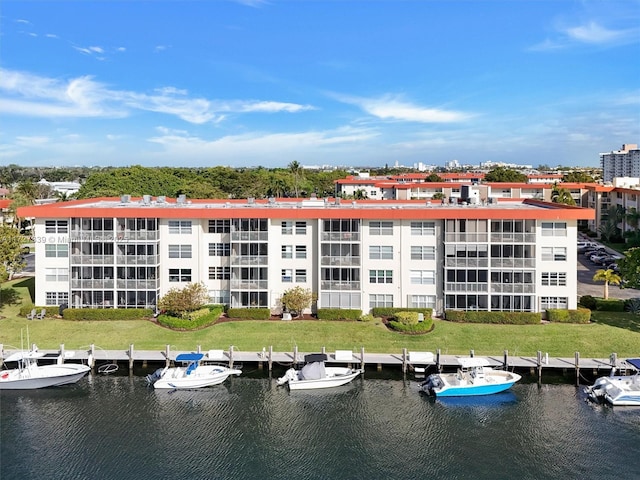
pixel 249 285
pixel 92 259
pixel 249 236
pixel 335 285
pixel 249 260
pixel 340 261
pixel 465 287
pixel 340 236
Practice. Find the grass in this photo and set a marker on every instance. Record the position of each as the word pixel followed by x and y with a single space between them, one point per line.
pixel 609 332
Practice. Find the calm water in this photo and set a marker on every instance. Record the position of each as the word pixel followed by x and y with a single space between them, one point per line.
pixel 115 427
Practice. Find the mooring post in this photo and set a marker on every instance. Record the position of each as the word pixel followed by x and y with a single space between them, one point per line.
pixel 199 349
pixel 91 361
pixel 505 361
pixel 61 357
pixel 131 357
pixel 270 358
pixel 362 358
pixel 438 365
pixel 230 356
pixel 539 364
pixel 295 355
pixel 404 360
pixel 167 352
pixel 324 350
pixel 472 353
pixel 577 368
pixel 613 360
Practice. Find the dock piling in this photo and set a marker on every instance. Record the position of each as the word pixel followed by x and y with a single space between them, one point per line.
pixel 230 356
pixel 404 360
pixel 362 358
pixel 505 361
pixel 270 358
pixel 539 365
pixel 438 364
pixel 91 361
pixel 167 352
pixel 131 357
pixel 577 361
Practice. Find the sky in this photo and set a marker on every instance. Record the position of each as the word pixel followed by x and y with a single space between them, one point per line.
pixel 246 83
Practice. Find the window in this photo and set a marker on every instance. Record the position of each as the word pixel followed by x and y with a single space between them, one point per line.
pixel 56 274
pixel 179 251
pixel 380 228
pixel 377 252
pixel 423 277
pixel 287 275
pixel 554 254
pixel 219 249
pixel 380 301
pixel 219 273
pixel 301 276
pixel 56 250
pixel 179 274
pixel 57 298
pixel 423 252
pixel 553 302
pixel 287 251
pixel 219 226
pixel 554 229
pixel 554 279
pixel 380 276
pixel 422 301
pixel 301 228
pixel 221 297
pixel 301 251
pixel 56 226
pixel 180 226
pixel 287 227
pixel 423 228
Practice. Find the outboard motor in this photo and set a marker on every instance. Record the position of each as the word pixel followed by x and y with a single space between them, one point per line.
pixel 432 381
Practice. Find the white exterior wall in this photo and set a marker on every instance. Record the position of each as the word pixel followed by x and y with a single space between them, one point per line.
pixel 568 267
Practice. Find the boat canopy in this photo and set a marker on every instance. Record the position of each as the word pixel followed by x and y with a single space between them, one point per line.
pixel 315 357
pixel 312 371
pixel 471 362
pixel 635 362
pixel 189 357
pixel 19 356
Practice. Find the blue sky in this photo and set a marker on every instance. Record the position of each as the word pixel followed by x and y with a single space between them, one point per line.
pixel 347 83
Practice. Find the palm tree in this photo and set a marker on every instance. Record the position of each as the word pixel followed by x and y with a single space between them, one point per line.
pixel 296 170
pixel 607 276
pixel 561 195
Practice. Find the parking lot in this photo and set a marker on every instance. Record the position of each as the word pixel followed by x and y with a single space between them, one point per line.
pixel 586 285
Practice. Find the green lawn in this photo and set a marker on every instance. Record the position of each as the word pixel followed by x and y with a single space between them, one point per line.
pixel 609 332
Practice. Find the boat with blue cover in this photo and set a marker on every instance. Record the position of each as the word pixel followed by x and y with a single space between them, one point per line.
pixel 475 376
pixel 193 373
pixel 618 390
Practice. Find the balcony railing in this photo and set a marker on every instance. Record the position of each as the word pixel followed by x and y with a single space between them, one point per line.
pixel 340 236
pixel 249 236
pixel 334 285
pixel 513 288
pixel 466 287
pixel 249 260
pixel 513 262
pixel 92 259
pixel 249 284
pixel 340 261
pixel 466 262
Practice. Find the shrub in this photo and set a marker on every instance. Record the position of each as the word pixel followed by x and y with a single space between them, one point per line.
pixel 202 318
pixel 368 318
pixel 406 318
pixel 588 301
pixel 106 313
pixel 610 305
pixel 249 313
pixel 632 305
pixel 338 314
pixel 421 327
pixel 391 311
pixel 505 318
pixel 180 302
pixel 581 315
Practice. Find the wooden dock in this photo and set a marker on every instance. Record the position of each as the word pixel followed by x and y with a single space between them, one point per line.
pixel 405 360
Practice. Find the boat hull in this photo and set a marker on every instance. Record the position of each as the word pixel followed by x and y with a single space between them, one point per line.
pixel 335 377
pixel 203 376
pixel 35 377
pixel 474 390
pixel 619 391
pixel 468 385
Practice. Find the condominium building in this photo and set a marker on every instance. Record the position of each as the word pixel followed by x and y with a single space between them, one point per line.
pixel 621 163
pixel 507 255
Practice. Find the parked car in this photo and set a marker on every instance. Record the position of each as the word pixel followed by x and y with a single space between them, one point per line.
pixel 614 267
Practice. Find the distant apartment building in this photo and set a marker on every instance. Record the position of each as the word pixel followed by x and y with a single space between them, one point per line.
pixel 504 255
pixel 621 163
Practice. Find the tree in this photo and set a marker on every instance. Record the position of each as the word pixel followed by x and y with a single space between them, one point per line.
pixel 503 174
pixel 180 302
pixel 296 170
pixel 629 267
pixel 577 176
pixel 433 177
pixel 437 196
pixel 607 276
pixel 561 195
pixel 11 260
pixel 297 299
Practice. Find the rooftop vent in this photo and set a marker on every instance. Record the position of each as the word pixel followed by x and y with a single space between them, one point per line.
pixel 146 199
pixel 181 199
pixel 125 198
pixel 162 199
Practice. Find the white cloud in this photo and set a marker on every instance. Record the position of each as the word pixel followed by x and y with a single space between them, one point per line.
pixel 590 33
pixel 34 96
pixel 594 33
pixel 31 141
pixel 391 107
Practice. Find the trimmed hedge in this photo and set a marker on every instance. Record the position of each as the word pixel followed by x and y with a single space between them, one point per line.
pixel 589 301
pixel 106 313
pixel 202 318
pixel 338 314
pixel 503 318
pixel 581 315
pixel 26 309
pixel 391 311
pixel 407 322
pixel 249 313
pixel 610 305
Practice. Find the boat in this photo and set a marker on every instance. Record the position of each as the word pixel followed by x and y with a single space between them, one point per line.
pixel 474 377
pixel 618 390
pixel 30 375
pixel 315 374
pixel 192 374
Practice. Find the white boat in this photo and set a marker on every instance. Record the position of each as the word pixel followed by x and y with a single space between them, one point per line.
pixel 29 375
pixel 193 374
pixel 315 374
pixel 618 390
pixel 474 377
